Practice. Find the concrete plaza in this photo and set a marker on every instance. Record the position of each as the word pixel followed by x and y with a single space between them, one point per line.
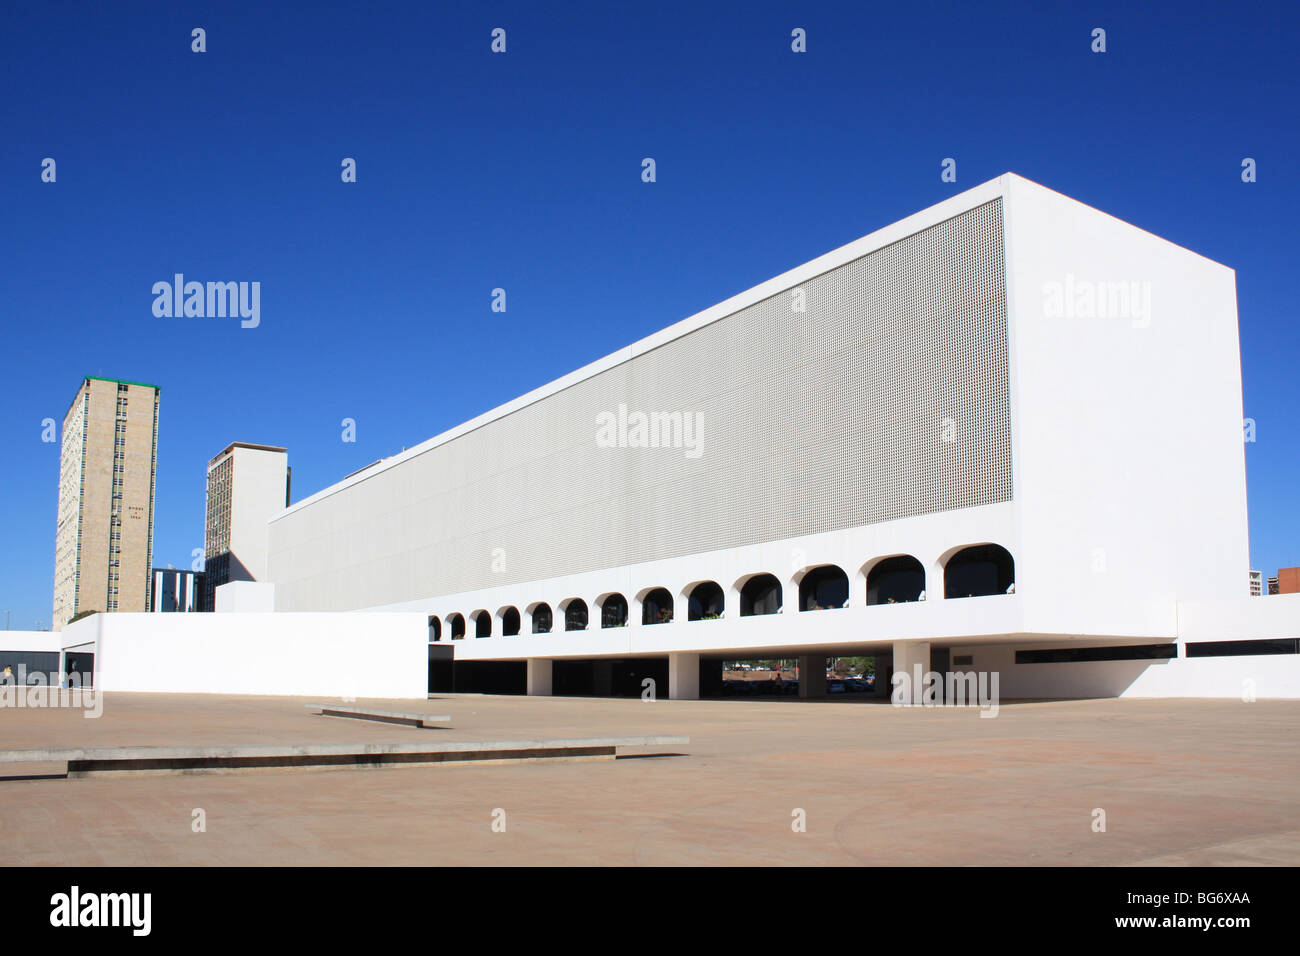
pixel 1180 781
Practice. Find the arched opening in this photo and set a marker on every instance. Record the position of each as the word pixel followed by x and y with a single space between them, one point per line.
pixel 542 619
pixel 979 570
pixel 575 615
pixel 896 580
pixel 613 611
pixel 435 628
pixel 509 621
pixel 456 624
pixel 482 623
pixel 761 594
pixel 823 588
pixel 657 607
pixel 705 602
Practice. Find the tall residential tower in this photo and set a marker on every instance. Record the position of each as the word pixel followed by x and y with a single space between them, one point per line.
pixel 103 550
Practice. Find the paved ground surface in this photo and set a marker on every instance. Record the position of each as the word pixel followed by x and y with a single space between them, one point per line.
pixel 1181 782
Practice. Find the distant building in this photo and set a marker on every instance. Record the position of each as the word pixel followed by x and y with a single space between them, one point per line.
pixel 103 548
pixel 1256 583
pixel 175 590
pixel 247 485
pixel 1288 581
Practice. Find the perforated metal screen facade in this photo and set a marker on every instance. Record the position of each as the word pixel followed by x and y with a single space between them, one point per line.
pixel 885 398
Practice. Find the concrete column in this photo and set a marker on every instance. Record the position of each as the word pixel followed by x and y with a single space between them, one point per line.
pixel 913 659
pixel 683 676
pixel 539 677
pixel 884 667
pixel 812 676
pixel 934 583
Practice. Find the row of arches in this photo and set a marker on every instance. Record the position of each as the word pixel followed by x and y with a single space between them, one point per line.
pixel 975 571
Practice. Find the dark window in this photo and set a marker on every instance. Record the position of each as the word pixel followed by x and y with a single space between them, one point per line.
pixel 613 611
pixel 896 580
pixel 457 625
pixel 823 588
pixel 542 619
pixel 706 602
pixel 1285 645
pixel 760 595
pixel 657 607
pixel 575 615
pixel 510 622
pixel 482 624
pixel 1073 655
pixel 435 628
pixel 979 571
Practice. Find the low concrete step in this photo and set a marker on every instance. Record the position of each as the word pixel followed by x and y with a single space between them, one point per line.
pixel 232 758
pixel 384 716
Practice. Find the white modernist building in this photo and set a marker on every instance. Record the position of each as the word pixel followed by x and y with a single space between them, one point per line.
pixel 247 485
pixel 1002 434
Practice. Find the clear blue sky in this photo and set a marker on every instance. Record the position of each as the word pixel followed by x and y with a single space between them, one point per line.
pixel 522 171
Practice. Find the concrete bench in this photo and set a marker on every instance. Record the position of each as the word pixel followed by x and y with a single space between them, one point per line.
pixel 88 761
pixel 384 716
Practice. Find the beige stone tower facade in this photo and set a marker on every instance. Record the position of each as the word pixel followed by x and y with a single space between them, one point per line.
pixel 103 550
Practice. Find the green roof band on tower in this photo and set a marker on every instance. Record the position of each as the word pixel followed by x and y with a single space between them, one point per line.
pixel 122 381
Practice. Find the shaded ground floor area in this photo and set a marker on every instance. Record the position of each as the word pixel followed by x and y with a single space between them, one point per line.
pixel 906 671
pixel 653 676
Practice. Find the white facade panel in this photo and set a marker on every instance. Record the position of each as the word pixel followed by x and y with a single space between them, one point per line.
pixel 1130 466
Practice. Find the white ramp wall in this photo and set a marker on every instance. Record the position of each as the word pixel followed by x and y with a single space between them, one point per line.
pixel 309 654
pixel 1261 676
pixel 1264 677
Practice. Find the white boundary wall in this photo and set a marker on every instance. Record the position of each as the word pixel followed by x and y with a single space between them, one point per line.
pixel 31 641
pixel 309 654
pixel 1250 618
pixel 1269 676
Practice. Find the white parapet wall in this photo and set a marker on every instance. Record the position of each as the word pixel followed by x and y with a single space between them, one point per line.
pixel 1249 676
pixel 303 654
pixel 39 642
pixel 1244 676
